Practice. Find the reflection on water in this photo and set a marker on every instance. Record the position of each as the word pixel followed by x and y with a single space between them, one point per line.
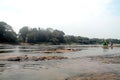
pixel 105 49
pixel 53 69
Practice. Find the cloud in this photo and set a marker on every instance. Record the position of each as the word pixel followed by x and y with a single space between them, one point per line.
pixel 90 18
pixel 56 11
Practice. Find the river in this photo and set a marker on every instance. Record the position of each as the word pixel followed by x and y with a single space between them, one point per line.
pixel 77 62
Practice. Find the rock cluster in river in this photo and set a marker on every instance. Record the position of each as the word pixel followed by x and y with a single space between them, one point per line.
pixel 34 58
pixel 59 50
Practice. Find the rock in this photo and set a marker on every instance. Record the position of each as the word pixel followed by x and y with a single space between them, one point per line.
pixel 35 58
pixel 14 58
pixel 42 58
pixel 2 65
pixel 25 57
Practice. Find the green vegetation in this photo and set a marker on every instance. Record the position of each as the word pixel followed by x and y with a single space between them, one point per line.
pixel 7 35
pixel 34 35
pixel 39 35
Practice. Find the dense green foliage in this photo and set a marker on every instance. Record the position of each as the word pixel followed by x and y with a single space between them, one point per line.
pixel 49 36
pixel 34 35
pixel 7 35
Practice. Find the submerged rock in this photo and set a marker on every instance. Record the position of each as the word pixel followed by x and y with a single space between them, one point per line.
pixel 61 50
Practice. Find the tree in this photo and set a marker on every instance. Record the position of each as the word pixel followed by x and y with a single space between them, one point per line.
pixel 7 34
pixel 23 34
pixel 32 36
pixel 59 35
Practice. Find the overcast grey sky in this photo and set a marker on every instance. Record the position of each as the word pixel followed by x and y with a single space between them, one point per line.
pixel 89 18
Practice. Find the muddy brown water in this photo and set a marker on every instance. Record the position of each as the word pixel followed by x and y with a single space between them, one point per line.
pixel 76 64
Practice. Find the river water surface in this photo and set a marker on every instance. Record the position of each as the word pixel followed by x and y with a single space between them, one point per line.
pixel 77 62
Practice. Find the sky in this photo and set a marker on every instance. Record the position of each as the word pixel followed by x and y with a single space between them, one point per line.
pixel 88 18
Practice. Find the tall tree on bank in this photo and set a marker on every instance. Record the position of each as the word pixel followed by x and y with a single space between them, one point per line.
pixel 58 37
pixel 34 35
pixel 7 35
pixel 23 34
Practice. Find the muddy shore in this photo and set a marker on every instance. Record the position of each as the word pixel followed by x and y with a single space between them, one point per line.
pixel 85 68
pixel 103 60
pixel 96 76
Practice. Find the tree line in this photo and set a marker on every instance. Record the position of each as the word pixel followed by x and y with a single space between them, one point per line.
pixel 46 36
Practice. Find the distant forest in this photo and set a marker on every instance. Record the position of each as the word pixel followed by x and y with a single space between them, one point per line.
pixel 44 36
